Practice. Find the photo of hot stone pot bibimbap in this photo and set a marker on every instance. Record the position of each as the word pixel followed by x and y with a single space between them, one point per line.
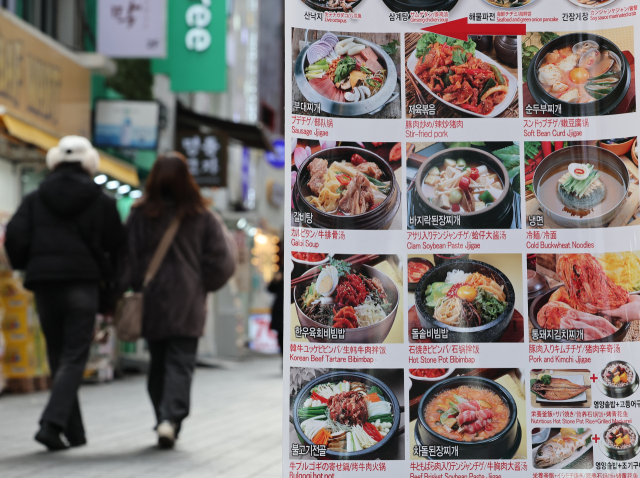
pixel 347 416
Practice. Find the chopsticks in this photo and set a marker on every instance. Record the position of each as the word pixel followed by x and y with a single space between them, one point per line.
pixel 408 73
pixel 353 260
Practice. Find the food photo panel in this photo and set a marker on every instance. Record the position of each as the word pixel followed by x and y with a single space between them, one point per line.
pixel 463 185
pixel 467 414
pixel 562 448
pixel 346 298
pixel 582 184
pixel 346 185
pixel 561 388
pixel 348 75
pixel 450 78
pixel 579 74
pixel 466 298
pixel 592 298
pixel 346 414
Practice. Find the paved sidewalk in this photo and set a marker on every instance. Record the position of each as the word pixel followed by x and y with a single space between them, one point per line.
pixel 234 430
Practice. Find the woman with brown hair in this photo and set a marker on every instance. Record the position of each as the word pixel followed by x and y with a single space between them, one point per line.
pixel 201 258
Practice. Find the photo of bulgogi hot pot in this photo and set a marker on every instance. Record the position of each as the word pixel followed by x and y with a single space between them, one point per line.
pixel 347 187
pixel 581 74
pixel 347 75
pixel 333 5
pixel 620 442
pixel 352 414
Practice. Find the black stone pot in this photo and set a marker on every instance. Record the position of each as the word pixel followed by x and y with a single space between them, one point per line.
pixel 322 5
pixel 369 453
pixel 543 299
pixel 379 218
pixel 497 216
pixel 504 445
pixel 602 106
pixel 490 332
pixel 420 5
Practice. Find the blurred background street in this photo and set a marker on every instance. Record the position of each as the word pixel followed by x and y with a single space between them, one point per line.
pixel 234 430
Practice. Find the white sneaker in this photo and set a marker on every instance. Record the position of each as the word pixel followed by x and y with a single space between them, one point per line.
pixel 166 434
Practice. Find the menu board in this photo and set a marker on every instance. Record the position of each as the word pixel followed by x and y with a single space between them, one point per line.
pixel 462 258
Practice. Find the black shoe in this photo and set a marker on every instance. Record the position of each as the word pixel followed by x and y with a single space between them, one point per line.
pixel 76 442
pixel 49 436
pixel 166 434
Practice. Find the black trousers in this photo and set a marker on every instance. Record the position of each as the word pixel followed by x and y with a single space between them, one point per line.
pixel 67 314
pixel 170 374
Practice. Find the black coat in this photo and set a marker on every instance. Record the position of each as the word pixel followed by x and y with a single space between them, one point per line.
pixel 201 259
pixel 61 230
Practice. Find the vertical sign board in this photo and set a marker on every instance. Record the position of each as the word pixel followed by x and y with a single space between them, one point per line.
pixel 206 156
pixel 132 28
pixel 196 46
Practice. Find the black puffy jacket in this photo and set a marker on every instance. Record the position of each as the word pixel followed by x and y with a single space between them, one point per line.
pixel 67 230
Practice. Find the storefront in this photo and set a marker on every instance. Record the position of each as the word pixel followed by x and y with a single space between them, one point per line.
pixel 45 93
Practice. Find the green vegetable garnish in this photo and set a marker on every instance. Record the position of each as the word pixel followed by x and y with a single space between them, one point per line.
pixel 486 197
pixel 345 66
pixel 489 307
pixel 546 379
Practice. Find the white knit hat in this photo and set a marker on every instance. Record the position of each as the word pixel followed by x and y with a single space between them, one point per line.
pixel 74 149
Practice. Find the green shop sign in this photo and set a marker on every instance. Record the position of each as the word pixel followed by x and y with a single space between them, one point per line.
pixel 196 46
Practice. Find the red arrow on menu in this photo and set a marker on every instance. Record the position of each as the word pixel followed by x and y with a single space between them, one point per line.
pixel 461 29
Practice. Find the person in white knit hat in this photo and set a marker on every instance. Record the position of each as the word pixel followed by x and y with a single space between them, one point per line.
pixel 66 236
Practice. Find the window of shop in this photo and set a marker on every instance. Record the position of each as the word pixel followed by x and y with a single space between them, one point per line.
pixel 41 14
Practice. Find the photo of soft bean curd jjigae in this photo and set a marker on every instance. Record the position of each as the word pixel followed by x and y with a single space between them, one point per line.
pixel 460 187
pixel 348 187
pixel 346 416
pixel 580 73
pixel 467 414
pixel 344 71
pixel 581 189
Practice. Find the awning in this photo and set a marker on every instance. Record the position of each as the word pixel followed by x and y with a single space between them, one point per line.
pixel 109 165
pixel 250 135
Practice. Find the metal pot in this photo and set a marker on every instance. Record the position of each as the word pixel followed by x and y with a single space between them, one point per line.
pixel 543 299
pixel 373 334
pixel 490 332
pixel 321 5
pixel 420 5
pixel 497 215
pixel 504 445
pixel 620 455
pixel 379 218
pixel 618 392
pixel 595 108
pixel 369 453
pixel 584 154
pixel 378 101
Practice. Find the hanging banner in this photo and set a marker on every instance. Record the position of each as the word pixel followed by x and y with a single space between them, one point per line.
pixel 206 156
pixel 196 46
pixel 463 264
pixel 132 28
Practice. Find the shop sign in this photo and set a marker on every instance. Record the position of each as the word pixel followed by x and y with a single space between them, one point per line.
pixel 126 124
pixel 206 156
pixel 132 28
pixel 41 83
pixel 197 46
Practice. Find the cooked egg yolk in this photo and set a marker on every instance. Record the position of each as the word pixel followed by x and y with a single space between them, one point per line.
pixel 466 292
pixel 579 75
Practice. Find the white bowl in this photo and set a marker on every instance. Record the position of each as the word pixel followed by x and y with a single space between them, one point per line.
pixel 437 379
pixel 499 108
pixel 323 261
